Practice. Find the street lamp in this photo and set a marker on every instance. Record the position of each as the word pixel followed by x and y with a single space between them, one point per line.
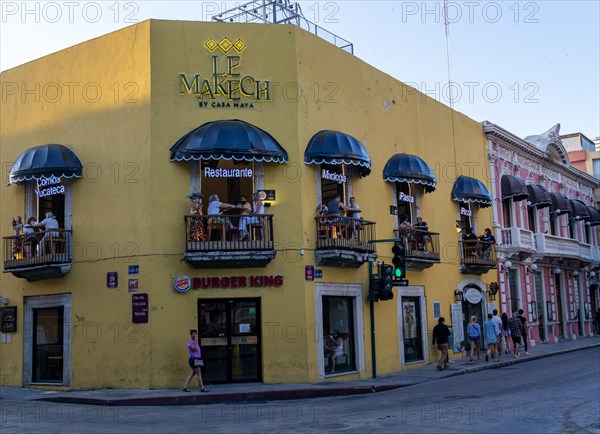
pixel 458 296
pixel 494 287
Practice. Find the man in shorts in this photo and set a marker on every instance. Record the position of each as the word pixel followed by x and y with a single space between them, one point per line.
pixel 516 331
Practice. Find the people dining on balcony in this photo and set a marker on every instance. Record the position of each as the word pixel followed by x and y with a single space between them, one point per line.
pixel 48 224
pixel 469 242
pixel 254 222
pixel 218 224
pixel 487 239
pixel 405 230
pixel 421 233
pixel 30 238
pixel 197 231
pixel 353 212
pixel 336 206
pixel 243 203
pixel 17 225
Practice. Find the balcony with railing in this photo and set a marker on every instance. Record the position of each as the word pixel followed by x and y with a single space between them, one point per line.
pixel 517 242
pixel 563 248
pixel 38 256
pixel 344 242
pixel 219 241
pixel 476 256
pixel 422 248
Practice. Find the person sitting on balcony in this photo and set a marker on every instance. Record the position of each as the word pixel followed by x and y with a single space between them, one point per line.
pixel 487 239
pixel 337 208
pixel 48 224
pixel 197 232
pixel 30 238
pixel 353 212
pixel 405 230
pixel 17 225
pixel 216 207
pixel 245 221
pixel 469 242
pixel 421 231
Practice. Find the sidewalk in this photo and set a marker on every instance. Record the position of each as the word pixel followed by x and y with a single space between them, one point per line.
pixel 248 392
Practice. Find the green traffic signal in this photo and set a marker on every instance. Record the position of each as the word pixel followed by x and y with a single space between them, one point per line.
pixel 398 273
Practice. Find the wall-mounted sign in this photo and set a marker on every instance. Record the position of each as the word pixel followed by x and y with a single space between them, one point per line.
pixel 225 82
pixel 112 279
pixel 133 285
pixel 139 308
pixel 393 210
pixel 134 269
pixel 269 195
pixel 318 274
pixel 8 319
pixel 464 211
pixel 309 273
pixel 49 186
pixel 340 178
pixel 227 173
pixel 183 283
pixel 405 198
pixel 473 295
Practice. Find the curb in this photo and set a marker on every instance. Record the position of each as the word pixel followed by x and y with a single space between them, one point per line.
pixel 283 395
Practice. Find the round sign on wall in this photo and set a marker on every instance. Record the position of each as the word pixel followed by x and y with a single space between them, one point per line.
pixel 473 295
pixel 182 283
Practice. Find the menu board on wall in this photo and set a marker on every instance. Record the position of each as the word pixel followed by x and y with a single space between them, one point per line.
pixel 8 319
pixel 458 335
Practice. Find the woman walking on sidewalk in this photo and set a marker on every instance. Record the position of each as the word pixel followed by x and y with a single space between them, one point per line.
pixel 195 362
pixel 490 333
pixel 505 333
pixel 474 333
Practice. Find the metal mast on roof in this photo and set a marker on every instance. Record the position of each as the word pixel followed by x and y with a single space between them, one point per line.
pixel 279 12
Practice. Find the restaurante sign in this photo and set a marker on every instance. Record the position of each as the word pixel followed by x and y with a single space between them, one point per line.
pixel 227 173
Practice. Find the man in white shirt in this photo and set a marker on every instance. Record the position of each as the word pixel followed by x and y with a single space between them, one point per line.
pixel 48 223
pixel 498 321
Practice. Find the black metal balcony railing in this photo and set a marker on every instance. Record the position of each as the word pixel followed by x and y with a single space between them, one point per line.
pixel 212 233
pixel 335 232
pixel 421 244
pixel 42 248
pixel 478 253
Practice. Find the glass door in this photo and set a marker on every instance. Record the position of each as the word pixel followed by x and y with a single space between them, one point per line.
pixel 48 342
pixel 411 329
pixel 230 340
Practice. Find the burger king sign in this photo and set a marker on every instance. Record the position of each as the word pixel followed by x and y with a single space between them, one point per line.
pixel 182 283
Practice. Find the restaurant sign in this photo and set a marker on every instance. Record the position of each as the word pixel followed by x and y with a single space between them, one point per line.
pixel 406 198
pixel 225 86
pixel 184 283
pixel 49 186
pixel 332 176
pixel 464 211
pixel 227 173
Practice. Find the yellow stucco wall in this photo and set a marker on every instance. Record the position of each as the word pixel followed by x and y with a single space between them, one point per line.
pixel 139 208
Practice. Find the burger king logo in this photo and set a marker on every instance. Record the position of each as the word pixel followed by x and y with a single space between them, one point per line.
pixel 182 283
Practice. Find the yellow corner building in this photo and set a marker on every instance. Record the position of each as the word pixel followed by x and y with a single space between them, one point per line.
pixel 183 175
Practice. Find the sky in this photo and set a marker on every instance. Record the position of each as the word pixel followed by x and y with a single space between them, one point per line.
pixel 523 65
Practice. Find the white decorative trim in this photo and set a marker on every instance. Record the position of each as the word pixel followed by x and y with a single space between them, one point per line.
pixel 339 161
pixel 264 158
pixel 340 290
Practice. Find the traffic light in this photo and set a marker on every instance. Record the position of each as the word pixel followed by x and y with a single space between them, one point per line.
pixel 375 286
pixel 387 276
pixel 399 260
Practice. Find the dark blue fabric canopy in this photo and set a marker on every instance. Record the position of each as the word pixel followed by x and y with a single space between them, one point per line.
pixel 468 189
pixel 411 169
pixel 513 187
pixel 594 219
pixel 333 147
pixel 560 204
pixel 43 162
pixel 538 196
pixel 228 140
pixel 579 210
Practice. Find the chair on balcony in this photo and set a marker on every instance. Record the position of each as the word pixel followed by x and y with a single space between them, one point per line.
pixel 255 231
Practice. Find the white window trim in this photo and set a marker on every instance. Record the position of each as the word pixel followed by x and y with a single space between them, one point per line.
pixel 340 290
pixel 413 291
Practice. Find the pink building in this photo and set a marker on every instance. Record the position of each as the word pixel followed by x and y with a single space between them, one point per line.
pixel 546 228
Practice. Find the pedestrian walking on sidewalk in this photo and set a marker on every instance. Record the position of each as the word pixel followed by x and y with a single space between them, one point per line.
pixel 524 322
pixel 195 362
pixel 598 321
pixel 505 333
pixel 440 335
pixel 498 322
pixel 491 333
pixel 474 333
pixel 516 331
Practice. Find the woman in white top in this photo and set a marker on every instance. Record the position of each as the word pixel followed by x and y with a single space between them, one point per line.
pixel 258 208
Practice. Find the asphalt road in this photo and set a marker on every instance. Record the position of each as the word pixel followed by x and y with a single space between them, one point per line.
pixel 559 394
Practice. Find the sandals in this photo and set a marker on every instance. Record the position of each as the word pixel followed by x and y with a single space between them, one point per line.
pixel 185 389
pixel 204 389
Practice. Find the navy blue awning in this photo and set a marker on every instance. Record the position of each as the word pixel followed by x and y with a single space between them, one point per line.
pixel 468 189
pixel 513 187
pixel 334 147
pixel 579 210
pixel 594 219
pixel 538 196
pixel 228 140
pixel 560 204
pixel 411 169
pixel 43 162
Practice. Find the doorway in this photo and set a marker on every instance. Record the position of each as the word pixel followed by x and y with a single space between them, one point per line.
pixel 230 339
pixel 472 305
pixel 559 307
